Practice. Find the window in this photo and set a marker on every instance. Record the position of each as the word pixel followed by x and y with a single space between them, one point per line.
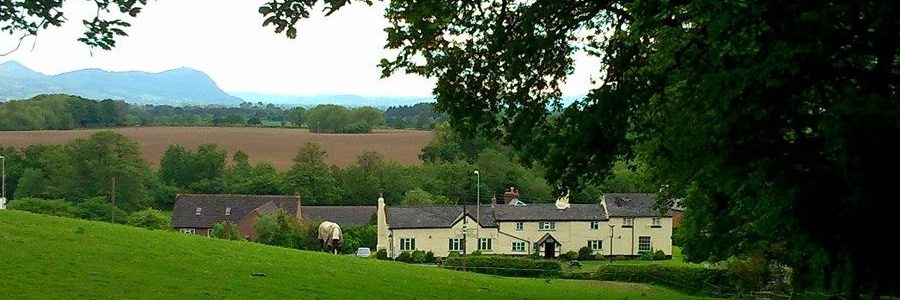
pixel 485 244
pixel 595 244
pixel 520 226
pixel 209 232
pixel 227 211
pixel 187 230
pixel 655 222
pixel 548 226
pixel 518 246
pixel 198 211
pixel 455 245
pixel 595 225
pixel 407 244
pixel 628 222
pixel 644 243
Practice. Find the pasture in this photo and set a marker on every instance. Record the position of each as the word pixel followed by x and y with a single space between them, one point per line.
pixel 51 257
pixel 275 145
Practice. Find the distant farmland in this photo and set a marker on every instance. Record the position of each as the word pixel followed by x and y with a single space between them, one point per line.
pixel 275 145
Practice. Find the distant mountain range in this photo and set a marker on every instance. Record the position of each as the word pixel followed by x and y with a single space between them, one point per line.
pixel 176 87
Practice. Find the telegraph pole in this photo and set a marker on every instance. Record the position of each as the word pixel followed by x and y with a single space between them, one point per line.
pixel 112 195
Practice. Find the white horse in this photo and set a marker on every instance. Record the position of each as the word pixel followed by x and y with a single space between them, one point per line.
pixel 330 236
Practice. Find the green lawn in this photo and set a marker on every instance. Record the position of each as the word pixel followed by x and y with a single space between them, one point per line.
pixel 676 261
pixel 51 257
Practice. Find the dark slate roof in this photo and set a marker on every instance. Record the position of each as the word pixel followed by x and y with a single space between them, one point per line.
pixel 548 212
pixel 435 216
pixel 342 215
pixel 633 205
pixel 213 208
pixel 548 238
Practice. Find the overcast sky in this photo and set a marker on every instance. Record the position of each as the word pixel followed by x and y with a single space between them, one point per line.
pixel 224 38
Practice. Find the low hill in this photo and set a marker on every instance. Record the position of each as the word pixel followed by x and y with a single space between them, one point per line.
pixel 179 86
pixel 52 257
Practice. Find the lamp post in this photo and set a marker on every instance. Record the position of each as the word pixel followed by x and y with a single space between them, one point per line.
pixel 612 229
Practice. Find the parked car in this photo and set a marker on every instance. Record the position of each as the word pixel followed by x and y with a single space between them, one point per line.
pixel 363 252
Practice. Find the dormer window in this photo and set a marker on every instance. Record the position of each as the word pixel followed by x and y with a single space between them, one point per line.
pixel 199 209
pixel 227 211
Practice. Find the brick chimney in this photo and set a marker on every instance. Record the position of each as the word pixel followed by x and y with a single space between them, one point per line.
pixel 510 194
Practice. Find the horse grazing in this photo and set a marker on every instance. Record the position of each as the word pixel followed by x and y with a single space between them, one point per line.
pixel 330 236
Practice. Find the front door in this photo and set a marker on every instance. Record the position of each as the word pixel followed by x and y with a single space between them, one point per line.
pixel 549 250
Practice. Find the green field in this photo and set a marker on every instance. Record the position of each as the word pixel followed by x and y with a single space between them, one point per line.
pixel 52 257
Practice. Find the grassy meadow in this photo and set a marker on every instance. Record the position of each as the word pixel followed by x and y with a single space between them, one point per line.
pixel 53 257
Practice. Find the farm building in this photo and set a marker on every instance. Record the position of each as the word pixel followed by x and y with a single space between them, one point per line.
pixel 620 224
pixel 198 213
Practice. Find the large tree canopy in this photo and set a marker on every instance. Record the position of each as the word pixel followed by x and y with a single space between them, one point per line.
pixel 776 121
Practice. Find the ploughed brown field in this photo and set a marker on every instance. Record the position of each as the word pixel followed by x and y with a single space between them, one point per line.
pixel 275 145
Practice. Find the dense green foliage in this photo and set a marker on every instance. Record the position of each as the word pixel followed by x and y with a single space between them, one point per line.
pixel 419 116
pixel 71 112
pixel 716 282
pixel 66 258
pixel 57 207
pixel 504 265
pixel 149 218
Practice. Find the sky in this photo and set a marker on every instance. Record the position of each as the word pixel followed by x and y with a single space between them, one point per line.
pixel 224 38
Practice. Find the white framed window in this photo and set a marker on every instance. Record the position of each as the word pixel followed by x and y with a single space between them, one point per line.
pixel 644 243
pixel 209 232
pixel 455 245
pixel 518 246
pixel 485 244
pixel 188 230
pixel 407 244
pixel 655 222
pixel 548 226
pixel 520 226
pixel 228 211
pixel 198 211
pixel 595 225
pixel 628 222
pixel 595 244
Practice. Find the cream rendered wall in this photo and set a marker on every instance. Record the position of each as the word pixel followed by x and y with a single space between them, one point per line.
pixel 572 235
pixel 623 244
pixel 381 226
pixel 437 240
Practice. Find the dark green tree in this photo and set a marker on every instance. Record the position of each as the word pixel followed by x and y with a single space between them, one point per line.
pixel 311 177
pixel 296 116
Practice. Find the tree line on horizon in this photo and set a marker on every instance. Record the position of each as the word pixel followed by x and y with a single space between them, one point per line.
pixel 82 171
pixel 62 112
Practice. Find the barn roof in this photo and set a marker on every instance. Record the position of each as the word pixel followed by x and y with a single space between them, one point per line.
pixel 342 215
pixel 205 210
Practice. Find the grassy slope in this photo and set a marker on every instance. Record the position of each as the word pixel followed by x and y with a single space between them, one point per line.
pixel 51 257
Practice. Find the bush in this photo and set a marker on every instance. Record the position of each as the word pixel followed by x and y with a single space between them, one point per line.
pixel 404 256
pixel 453 254
pixel 568 255
pixel 477 253
pixel 429 257
pixel 659 255
pixel 149 218
pixel 58 207
pixel 382 254
pixel 646 255
pixel 418 257
pixel 226 230
pixel 99 209
pixel 585 253
pixel 505 266
pixel 689 280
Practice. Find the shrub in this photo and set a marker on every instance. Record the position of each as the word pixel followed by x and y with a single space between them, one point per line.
pixel 226 230
pixel 404 256
pixel 477 253
pixel 646 255
pixel 58 207
pixel 659 255
pixel 569 255
pixel 382 254
pixel 585 253
pixel 149 218
pixel 99 209
pixel 418 257
pixel 506 266
pixel 686 279
pixel 453 254
pixel 429 257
